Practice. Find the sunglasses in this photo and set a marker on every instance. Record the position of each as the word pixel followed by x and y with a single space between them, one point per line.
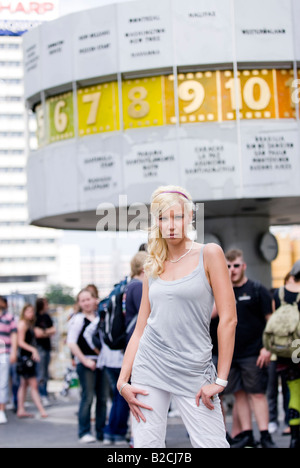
pixel 235 265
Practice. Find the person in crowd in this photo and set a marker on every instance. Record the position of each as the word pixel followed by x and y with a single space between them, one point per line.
pixel 287 367
pixel 134 290
pixel 109 364
pixel 8 354
pixel 103 384
pixel 214 324
pixel 14 384
pixel 275 378
pixel 13 375
pixel 91 382
pixel 111 360
pixel 27 362
pixel 94 290
pixel 44 330
pixel 248 376
pixel 169 353
pixel 118 420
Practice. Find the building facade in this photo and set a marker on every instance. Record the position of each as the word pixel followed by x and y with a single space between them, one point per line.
pixel 28 255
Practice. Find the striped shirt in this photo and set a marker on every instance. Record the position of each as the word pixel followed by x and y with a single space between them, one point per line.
pixel 7 327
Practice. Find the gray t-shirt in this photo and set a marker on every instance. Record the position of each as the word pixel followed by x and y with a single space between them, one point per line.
pixel 175 351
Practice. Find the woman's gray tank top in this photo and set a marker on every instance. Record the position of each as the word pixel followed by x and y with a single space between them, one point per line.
pixel 175 351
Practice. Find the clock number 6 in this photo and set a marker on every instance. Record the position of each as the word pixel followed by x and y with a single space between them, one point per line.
pixel 60 118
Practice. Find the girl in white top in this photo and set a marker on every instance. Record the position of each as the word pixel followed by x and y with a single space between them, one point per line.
pixel 169 354
pixel 86 360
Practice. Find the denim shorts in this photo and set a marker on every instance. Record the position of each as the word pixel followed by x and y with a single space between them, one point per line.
pixel 246 375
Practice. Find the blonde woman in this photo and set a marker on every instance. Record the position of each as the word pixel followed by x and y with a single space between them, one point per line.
pixel 169 354
pixel 27 359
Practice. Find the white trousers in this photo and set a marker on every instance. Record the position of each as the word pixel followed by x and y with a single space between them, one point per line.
pixel 4 378
pixel 205 427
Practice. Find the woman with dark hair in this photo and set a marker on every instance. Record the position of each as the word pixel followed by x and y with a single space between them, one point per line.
pixel 27 360
pixel 43 330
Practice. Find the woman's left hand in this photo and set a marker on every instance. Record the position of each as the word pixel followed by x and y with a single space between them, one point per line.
pixel 207 393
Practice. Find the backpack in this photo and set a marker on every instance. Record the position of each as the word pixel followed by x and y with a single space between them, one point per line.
pixel 96 339
pixel 112 311
pixel 283 328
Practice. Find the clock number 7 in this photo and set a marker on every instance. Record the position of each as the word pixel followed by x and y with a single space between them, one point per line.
pixel 94 100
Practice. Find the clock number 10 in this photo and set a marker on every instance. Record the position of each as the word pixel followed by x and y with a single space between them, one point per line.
pixel 247 95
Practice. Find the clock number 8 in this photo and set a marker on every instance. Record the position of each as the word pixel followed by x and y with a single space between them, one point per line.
pixel 138 108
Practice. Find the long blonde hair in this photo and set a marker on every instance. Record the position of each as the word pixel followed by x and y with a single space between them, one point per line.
pixel 22 315
pixel 137 263
pixel 162 199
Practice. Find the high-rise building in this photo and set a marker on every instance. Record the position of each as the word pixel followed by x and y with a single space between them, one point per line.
pixel 28 255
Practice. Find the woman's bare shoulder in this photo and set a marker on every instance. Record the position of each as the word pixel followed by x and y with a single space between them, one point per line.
pixel 213 248
pixel 213 254
pixel 22 325
pixel 210 249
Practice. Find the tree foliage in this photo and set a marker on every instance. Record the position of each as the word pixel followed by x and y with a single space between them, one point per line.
pixel 58 294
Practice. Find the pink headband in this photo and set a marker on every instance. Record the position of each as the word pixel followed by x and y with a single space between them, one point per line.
pixel 174 191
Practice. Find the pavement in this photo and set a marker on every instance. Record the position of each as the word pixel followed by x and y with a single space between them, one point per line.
pixel 59 430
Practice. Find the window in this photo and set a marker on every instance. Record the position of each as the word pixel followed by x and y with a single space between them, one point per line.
pixel 26 259
pixel 11 98
pixel 21 279
pixel 12 169
pixel 11 45
pixel 12 134
pixel 11 116
pixel 11 80
pixel 10 64
pixel 12 151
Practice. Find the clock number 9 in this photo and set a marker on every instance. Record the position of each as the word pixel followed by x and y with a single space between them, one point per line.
pixel 191 91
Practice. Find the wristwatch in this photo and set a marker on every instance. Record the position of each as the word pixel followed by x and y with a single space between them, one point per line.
pixel 221 382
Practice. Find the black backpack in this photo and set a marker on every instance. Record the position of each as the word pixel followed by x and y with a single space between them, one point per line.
pixel 112 311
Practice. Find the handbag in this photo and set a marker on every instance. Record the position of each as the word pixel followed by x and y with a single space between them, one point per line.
pixel 25 365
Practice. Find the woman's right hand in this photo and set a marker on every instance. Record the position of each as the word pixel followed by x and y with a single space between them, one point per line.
pixel 35 355
pixel 130 394
pixel 90 364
